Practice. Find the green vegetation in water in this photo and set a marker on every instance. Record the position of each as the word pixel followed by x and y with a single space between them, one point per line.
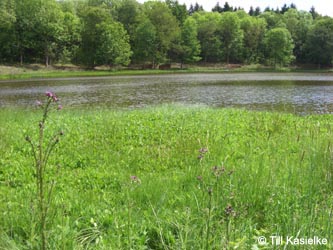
pixel 11 73
pixel 170 178
pixel 21 73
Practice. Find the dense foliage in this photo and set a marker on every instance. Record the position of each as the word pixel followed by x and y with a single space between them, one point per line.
pixel 145 179
pixel 123 32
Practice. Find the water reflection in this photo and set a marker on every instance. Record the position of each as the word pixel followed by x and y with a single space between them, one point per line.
pixel 297 93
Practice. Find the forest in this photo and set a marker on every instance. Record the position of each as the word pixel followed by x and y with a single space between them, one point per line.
pixel 90 33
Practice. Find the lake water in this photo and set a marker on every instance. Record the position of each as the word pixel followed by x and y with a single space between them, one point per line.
pixel 287 92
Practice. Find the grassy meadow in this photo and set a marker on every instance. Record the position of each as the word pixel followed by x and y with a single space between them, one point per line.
pixel 169 177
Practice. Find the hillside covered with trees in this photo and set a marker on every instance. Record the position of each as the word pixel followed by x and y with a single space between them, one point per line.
pixel 123 32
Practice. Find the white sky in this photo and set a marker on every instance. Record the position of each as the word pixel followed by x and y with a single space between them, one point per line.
pixel 324 7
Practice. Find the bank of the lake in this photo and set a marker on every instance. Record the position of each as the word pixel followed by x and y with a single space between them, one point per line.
pixel 273 176
pixel 39 71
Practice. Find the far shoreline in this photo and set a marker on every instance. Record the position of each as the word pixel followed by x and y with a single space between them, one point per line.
pixel 41 72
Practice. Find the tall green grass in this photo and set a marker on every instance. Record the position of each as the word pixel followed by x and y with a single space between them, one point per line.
pixel 274 178
pixel 57 73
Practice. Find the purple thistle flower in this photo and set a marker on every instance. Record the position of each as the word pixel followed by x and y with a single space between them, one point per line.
pixel 59 107
pixel 49 94
pixel 38 103
pixel 52 96
pixel 55 98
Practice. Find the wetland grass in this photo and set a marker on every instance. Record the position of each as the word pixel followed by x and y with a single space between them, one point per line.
pixel 273 176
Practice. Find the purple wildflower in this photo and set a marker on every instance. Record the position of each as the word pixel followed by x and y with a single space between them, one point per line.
pixel 59 107
pixel 55 98
pixel 52 96
pixel 49 94
pixel 39 103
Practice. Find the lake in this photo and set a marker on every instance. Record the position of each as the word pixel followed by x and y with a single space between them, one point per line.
pixel 300 93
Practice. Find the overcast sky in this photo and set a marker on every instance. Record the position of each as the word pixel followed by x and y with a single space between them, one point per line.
pixel 324 7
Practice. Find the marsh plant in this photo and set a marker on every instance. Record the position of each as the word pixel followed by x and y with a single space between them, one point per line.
pixel 217 186
pixel 42 148
pixel 281 184
pixel 134 183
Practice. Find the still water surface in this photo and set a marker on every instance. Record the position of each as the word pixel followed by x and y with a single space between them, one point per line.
pixel 287 92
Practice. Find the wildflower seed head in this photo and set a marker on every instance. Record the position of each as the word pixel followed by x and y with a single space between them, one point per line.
pixel 135 179
pixel 229 211
pixel 215 169
pixel 203 150
pixel 218 171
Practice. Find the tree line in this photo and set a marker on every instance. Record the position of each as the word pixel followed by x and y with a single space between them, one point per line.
pixel 124 32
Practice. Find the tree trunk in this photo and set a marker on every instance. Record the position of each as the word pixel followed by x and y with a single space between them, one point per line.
pixel 46 60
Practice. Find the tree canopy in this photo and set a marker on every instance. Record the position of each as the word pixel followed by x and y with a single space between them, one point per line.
pixel 123 32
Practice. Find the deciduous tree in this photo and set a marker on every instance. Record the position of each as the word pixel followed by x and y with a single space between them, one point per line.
pixel 279 47
pixel 166 25
pixel 187 50
pixel 319 43
pixel 145 42
pixel 298 23
pixel 211 45
pixel 254 29
pixel 104 41
pixel 231 36
pixel 113 44
pixel 7 24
